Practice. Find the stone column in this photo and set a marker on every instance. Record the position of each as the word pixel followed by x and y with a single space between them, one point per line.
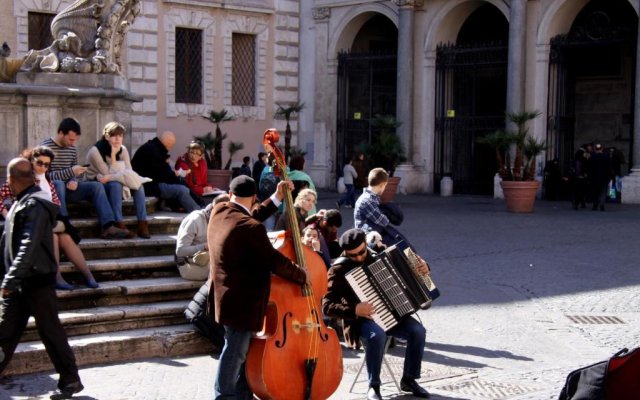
pixel 516 65
pixel 306 83
pixel 404 81
pixel 320 138
pixel 631 183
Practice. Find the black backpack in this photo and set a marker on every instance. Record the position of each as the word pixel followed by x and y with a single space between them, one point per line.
pixel 196 313
pixel 617 378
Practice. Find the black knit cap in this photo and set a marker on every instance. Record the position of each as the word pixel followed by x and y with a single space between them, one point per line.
pixel 352 238
pixel 243 186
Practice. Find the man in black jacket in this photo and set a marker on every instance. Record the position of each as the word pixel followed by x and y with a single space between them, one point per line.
pixel 151 160
pixel 28 273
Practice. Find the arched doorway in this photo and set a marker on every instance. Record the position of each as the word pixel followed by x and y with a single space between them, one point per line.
pixel 592 81
pixel 366 84
pixel 471 82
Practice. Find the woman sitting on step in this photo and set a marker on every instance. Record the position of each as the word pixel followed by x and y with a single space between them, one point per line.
pixel 110 164
pixel 41 158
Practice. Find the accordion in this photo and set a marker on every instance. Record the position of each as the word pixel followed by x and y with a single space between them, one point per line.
pixel 393 286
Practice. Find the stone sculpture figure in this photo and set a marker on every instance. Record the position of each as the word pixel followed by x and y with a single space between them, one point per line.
pixel 8 66
pixel 88 38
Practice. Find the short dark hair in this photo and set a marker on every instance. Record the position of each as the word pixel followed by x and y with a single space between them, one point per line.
pixel 69 124
pixel 377 176
pixel 246 159
pixel 296 163
pixel 333 218
pixel 261 154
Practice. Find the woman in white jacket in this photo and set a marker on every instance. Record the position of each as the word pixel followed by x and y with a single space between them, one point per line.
pixel 110 164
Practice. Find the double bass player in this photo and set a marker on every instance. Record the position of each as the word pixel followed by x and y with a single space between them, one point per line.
pixel 341 301
pixel 242 261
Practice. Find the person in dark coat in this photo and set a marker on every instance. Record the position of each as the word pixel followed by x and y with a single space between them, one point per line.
pixel 242 261
pixel 600 174
pixel 341 301
pixel 151 160
pixel 258 166
pixel 28 276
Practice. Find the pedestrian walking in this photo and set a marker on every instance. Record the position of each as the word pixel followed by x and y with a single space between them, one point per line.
pixel 28 277
pixel 349 175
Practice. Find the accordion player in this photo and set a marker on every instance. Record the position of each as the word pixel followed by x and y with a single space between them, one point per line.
pixel 392 284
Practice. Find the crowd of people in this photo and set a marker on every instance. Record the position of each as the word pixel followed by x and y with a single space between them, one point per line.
pixel 594 177
pixel 224 240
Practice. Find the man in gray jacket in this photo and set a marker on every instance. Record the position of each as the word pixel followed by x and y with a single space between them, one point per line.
pixel 28 277
pixel 192 252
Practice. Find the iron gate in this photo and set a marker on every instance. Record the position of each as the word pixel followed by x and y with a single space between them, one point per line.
pixel 593 33
pixel 471 84
pixel 366 87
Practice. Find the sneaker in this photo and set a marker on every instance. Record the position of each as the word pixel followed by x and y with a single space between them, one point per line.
pixel 113 232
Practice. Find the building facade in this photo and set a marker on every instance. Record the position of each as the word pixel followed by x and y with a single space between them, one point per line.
pixel 448 70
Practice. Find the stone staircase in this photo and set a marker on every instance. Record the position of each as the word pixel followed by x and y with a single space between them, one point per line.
pixel 137 312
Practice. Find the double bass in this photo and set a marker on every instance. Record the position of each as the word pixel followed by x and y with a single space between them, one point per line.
pixel 295 356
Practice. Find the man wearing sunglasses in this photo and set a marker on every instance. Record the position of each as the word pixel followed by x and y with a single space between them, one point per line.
pixel 342 302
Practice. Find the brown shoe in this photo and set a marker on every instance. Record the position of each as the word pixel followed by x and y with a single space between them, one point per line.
pixel 121 225
pixel 113 232
pixel 143 229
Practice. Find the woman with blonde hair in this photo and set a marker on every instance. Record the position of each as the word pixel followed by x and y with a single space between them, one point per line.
pixel 110 164
pixel 303 204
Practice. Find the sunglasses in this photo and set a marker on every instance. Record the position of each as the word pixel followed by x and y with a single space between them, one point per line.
pixel 358 254
pixel 43 164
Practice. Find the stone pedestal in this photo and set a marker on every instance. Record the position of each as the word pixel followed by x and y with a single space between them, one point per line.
pixel 631 188
pixel 414 179
pixel 32 108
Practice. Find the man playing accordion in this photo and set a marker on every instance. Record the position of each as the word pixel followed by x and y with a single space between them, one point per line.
pixel 342 302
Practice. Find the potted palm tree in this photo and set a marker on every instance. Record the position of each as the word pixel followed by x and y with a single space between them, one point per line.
pixel 386 151
pixel 287 111
pixel 218 177
pixel 518 178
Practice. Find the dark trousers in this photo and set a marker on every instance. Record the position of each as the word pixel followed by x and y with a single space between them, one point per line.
pixel 41 303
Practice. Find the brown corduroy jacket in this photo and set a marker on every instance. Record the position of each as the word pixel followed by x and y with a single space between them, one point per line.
pixel 242 261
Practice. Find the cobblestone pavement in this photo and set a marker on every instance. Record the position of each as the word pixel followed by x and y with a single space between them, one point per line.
pixel 518 293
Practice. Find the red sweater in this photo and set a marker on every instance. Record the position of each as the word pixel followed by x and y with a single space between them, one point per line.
pixel 197 178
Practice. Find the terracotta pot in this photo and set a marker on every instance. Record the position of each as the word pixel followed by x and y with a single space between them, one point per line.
pixel 389 193
pixel 219 178
pixel 520 195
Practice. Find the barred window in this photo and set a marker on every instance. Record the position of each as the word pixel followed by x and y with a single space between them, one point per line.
pixel 39 30
pixel 188 77
pixel 243 67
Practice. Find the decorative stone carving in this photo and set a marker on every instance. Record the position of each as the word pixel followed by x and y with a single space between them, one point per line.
pixel 88 37
pixel 8 66
pixel 320 13
pixel 408 3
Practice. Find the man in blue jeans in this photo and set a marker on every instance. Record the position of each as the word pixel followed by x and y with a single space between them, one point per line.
pixel 151 160
pixel 67 177
pixel 342 302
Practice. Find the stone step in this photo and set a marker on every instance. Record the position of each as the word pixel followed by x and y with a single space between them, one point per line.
pixel 159 223
pixel 167 341
pixel 133 291
pixel 113 269
pixel 89 321
pixel 95 249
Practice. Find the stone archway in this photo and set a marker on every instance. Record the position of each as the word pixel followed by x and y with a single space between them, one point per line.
pixel 592 82
pixel 471 79
pixel 366 82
